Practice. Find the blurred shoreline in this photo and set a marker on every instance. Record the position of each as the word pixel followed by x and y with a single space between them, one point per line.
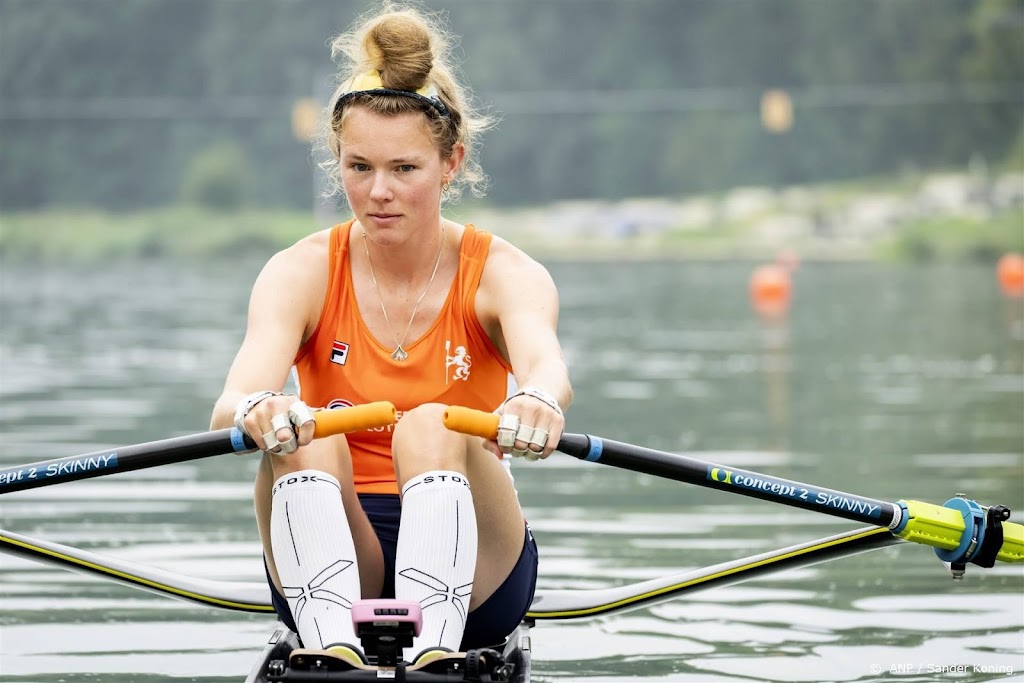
pixel 973 215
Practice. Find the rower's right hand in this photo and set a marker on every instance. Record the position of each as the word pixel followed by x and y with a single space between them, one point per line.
pixel 277 423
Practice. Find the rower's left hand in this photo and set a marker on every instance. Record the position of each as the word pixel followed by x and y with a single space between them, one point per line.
pixel 530 426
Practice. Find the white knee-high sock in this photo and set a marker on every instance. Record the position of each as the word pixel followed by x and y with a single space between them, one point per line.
pixel 436 556
pixel 315 557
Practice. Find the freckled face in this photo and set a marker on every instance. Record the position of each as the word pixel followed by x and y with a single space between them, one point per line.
pixel 391 171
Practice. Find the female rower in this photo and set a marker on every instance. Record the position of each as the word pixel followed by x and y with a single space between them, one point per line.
pixel 404 305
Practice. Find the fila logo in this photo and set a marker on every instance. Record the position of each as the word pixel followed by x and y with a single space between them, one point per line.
pixel 339 352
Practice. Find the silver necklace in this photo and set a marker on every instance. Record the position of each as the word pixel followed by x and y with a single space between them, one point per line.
pixel 400 354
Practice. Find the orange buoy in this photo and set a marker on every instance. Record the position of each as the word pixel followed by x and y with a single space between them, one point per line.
pixel 770 290
pixel 1010 272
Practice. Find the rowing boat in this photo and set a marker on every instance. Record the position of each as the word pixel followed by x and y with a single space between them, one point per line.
pixel 961 532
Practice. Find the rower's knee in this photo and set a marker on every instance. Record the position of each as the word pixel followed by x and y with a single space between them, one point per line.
pixel 422 443
pixel 329 454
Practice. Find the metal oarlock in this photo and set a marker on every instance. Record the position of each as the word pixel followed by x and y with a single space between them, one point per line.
pixel 982 538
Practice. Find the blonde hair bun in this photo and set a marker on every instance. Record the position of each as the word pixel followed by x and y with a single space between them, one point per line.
pixel 398 45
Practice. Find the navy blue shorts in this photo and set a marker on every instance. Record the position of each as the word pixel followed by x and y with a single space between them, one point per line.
pixel 489 623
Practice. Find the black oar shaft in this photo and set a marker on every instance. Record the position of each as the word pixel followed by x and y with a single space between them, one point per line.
pixel 681 468
pixel 124 459
pixel 181 449
pixel 731 479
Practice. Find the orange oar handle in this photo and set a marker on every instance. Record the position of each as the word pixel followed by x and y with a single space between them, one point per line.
pixel 470 421
pixel 354 418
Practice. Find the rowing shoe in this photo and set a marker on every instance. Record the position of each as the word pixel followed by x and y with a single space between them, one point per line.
pixel 385 628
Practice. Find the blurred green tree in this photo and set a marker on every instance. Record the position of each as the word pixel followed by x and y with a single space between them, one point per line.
pixel 217 178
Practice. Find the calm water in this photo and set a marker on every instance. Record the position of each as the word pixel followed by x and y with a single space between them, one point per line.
pixel 885 382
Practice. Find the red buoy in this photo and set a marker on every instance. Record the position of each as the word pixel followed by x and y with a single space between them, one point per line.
pixel 1010 273
pixel 770 290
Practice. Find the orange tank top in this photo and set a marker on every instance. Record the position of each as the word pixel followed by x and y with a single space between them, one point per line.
pixel 454 362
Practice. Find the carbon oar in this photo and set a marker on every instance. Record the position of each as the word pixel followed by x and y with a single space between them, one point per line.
pixel 179 449
pixel 961 531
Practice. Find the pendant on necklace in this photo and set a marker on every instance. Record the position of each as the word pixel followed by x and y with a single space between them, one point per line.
pixel 399 354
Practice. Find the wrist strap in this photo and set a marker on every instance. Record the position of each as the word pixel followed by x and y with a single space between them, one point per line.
pixel 247 404
pixel 538 394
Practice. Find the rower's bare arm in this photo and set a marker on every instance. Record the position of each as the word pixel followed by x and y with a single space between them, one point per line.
pixel 279 314
pixel 523 300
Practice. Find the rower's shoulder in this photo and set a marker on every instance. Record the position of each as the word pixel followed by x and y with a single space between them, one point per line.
pixel 505 260
pixel 305 261
pixel 510 278
pixel 310 247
